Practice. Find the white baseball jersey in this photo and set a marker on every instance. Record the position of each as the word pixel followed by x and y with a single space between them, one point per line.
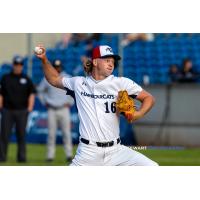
pixel 96 104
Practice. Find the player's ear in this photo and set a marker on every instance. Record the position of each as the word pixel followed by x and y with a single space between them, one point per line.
pixel 94 61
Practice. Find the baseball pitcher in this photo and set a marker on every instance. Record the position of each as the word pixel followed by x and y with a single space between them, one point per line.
pixel 100 98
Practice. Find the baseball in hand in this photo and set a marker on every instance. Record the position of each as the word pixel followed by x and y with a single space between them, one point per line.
pixel 38 50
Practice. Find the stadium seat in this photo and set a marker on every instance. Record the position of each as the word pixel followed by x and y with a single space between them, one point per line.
pixel 153 57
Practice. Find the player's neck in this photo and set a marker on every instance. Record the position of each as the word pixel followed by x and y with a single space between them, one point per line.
pixel 98 77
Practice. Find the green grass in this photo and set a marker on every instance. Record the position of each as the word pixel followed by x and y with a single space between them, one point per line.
pixel 36 156
pixel 184 157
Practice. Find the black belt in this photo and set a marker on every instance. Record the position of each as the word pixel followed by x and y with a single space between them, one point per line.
pixel 101 144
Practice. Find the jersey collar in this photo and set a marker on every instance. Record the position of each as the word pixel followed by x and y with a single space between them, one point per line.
pixel 100 81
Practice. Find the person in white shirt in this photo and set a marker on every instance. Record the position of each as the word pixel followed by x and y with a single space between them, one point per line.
pixel 96 96
pixel 58 105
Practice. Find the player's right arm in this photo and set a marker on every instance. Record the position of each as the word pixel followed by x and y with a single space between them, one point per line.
pixel 50 73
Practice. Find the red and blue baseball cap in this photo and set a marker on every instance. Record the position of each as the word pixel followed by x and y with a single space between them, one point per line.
pixel 104 51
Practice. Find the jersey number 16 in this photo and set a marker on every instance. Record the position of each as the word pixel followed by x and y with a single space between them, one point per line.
pixel 112 107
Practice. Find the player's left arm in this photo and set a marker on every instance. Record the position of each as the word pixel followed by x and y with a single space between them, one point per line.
pixel 147 102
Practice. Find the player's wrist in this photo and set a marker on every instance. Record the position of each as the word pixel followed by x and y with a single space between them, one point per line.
pixel 45 60
pixel 138 114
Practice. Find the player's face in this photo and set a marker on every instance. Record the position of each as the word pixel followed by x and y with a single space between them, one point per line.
pixel 105 66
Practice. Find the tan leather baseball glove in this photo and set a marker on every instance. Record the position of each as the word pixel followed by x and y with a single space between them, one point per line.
pixel 125 105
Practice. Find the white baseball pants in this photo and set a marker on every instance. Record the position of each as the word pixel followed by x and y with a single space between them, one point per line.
pixel 117 155
pixel 59 117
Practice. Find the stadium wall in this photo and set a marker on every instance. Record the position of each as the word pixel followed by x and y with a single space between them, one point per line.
pixel 17 43
pixel 175 118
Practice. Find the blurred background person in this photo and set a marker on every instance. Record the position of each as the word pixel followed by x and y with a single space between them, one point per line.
pixel 174 74
pixel 17 95
pixel 188 74
pixel 66 39
pixel 132 37
pixel 58 105
pixel 92 40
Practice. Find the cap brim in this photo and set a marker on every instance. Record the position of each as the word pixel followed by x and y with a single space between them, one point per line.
pixel 116 57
